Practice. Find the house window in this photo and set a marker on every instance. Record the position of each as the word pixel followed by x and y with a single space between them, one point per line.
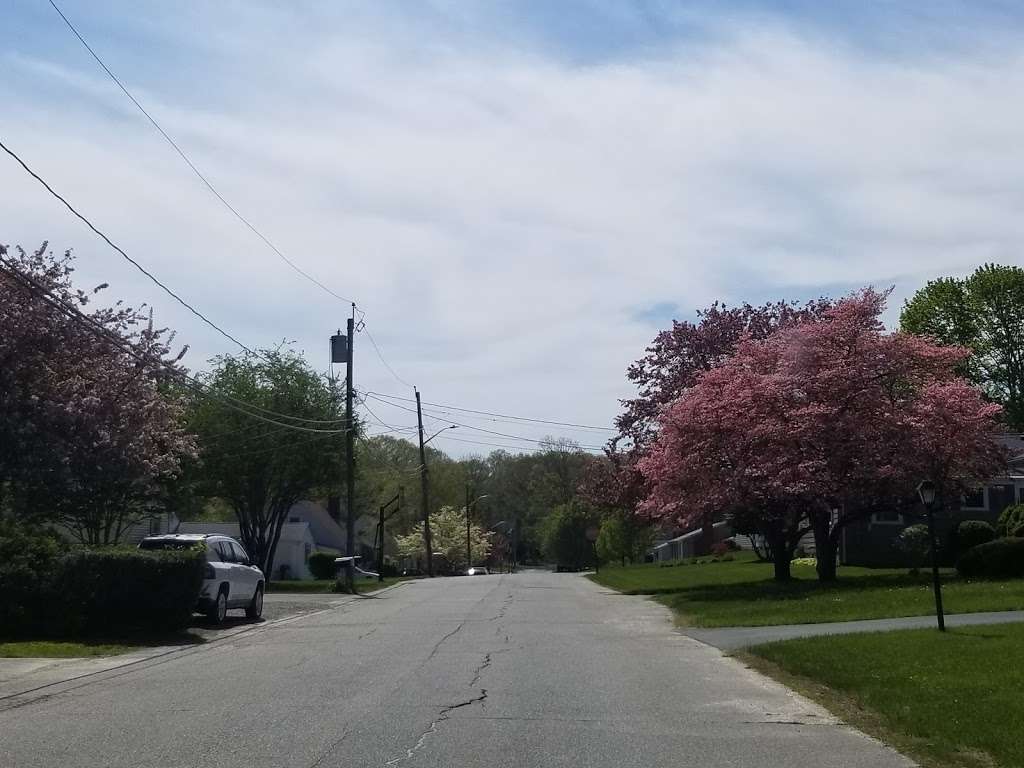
pixel 887 518
pixel 309 551
pixel 975 498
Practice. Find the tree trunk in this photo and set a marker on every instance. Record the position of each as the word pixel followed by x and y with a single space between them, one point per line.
pixel 782 563
pixel 825 547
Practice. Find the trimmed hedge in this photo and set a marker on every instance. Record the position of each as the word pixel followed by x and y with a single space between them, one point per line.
pixel 999 559
pixel 93 592
pixel 28 560
pixel 153 591
pixel 321 565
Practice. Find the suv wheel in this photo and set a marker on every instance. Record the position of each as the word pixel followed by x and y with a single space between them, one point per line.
pixel 255 609
pixel 219 610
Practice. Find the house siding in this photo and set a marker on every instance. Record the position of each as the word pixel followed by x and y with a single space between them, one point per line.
pixel 872 543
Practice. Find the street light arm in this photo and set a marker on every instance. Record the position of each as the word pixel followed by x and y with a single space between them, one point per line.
pixel 453 426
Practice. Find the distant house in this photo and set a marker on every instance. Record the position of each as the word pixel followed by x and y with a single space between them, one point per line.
pixel 687 545
pixel 870 542
pixel 308 528
pixel 293 548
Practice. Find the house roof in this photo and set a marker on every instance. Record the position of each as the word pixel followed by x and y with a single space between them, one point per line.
pixel 326 532
pixel 289 531
pixel 1015 445
pixel 691 535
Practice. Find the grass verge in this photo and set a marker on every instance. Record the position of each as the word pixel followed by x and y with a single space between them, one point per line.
pixel 743 593
pixel 53 649
pixel 948 700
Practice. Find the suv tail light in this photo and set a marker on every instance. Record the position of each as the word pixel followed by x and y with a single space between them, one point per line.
pixel 209 573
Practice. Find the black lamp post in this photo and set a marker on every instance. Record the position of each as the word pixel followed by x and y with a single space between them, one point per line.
pixel 926 490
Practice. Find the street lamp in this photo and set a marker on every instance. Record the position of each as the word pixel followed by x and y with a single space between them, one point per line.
pixel 926 491
pixel 469 545
pixel 452 426
pixel 425 485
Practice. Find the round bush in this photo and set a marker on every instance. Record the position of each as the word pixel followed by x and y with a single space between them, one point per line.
pixel 971 533
pixel 321 565
pixel 1011 521
pixel 998 559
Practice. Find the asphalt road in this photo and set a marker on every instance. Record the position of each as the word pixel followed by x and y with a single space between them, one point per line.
pixel 533 669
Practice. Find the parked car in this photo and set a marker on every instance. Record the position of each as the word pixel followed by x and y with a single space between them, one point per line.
pixel 478 570
pixel 231 580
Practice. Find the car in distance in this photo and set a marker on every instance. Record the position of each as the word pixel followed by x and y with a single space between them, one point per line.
pixel 477 570
pixel 230 578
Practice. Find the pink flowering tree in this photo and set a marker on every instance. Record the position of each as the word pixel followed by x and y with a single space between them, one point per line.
pixel 678 357
pixel 818 425
pixel 90 436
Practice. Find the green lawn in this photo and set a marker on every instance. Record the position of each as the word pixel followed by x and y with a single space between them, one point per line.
pixel 51 649
pixel 742 593
pixel 953 699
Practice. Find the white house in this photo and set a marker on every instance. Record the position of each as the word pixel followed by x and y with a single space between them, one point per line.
pixel 293 548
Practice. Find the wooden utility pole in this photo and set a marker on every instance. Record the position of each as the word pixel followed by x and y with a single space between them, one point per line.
pixel 350 458
pixel 469 546
pixel 424 489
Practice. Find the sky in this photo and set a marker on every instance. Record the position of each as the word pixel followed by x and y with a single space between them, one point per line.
pixel 518 195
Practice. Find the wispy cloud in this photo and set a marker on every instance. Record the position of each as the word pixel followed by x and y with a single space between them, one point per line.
pixel 502 208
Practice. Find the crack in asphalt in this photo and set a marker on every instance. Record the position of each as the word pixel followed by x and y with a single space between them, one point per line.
pixel 479 670
pixel 445 711
pixel 442 715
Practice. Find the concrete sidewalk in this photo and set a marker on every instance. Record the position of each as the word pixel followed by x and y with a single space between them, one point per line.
pixel 735 638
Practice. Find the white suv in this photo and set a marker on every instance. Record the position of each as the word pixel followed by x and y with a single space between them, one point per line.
pixel 231 580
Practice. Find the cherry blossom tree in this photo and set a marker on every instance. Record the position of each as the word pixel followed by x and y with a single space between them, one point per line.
pixel 818 425
pixel 91 427
pixel 680 355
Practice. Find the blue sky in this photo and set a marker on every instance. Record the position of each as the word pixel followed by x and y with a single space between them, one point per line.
pixel 518 194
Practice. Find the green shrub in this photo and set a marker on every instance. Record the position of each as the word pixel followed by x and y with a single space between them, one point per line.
pixel 27 561
pixel 97 591
pixel 998 559
pixel 321 565
pixel 1011 521
pixel 915 543
pixel 970 533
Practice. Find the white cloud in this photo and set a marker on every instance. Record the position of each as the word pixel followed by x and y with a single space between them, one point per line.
pixel 501 215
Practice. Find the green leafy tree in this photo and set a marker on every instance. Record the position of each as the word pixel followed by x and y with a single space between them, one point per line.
pixel 261 469
pixel 565 534
pixel 448 536
pixel 623 538
pixel 984 312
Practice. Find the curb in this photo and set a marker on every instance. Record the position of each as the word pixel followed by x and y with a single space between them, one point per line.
pixel 164 653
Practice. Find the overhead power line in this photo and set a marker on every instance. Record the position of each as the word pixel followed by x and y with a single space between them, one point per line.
pixel 498 415
pixel 216 193
pixel 481 429
pixel 192 165
pixel 132 261
pixel 121 344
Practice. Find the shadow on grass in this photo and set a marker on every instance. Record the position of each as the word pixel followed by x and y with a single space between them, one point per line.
pixel 797 589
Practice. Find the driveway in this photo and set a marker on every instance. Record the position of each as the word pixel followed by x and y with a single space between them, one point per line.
pixel 532 669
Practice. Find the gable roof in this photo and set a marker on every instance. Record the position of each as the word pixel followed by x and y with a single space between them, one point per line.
pixel 326 532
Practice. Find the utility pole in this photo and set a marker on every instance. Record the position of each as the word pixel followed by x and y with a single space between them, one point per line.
pixel 424 489
pixel 399 499
pixel 350 458
pixel 341 352
pixel 469 546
